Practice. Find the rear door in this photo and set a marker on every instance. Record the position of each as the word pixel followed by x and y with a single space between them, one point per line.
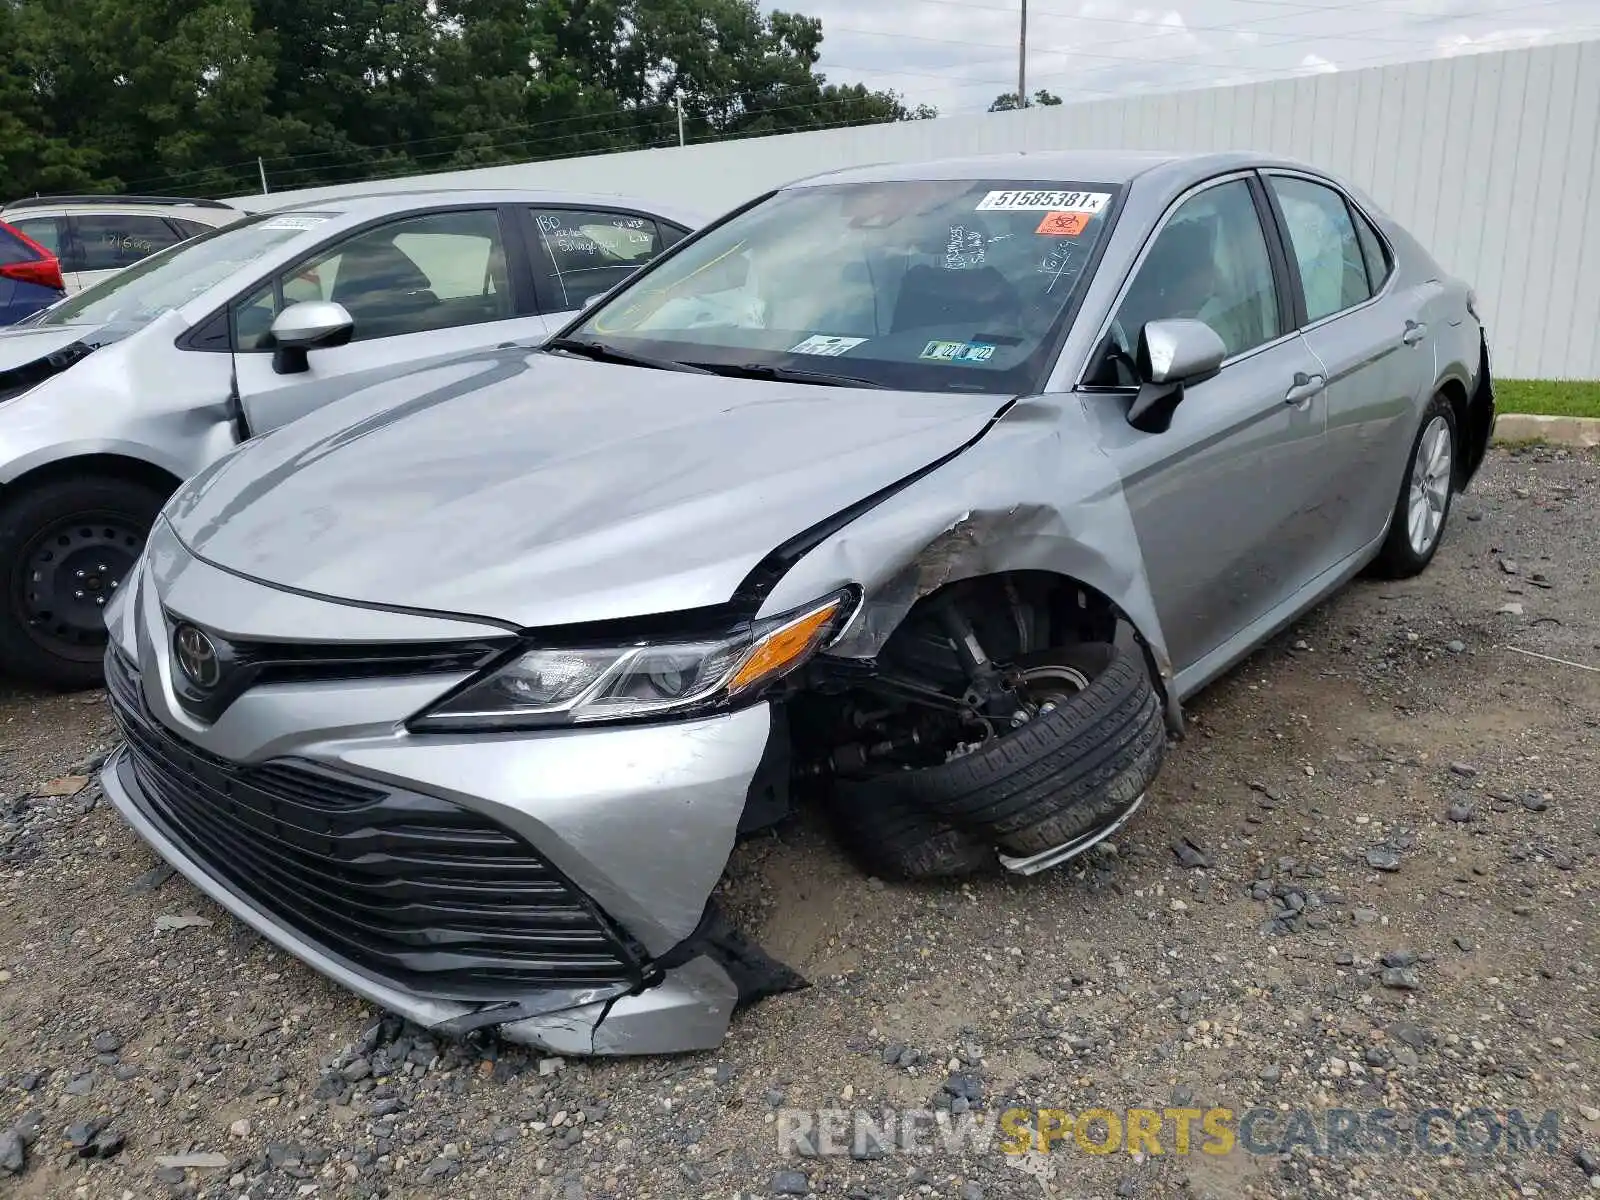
pixel 1372 338
pixel 419 287
pixel 580 253
pixel 1225 501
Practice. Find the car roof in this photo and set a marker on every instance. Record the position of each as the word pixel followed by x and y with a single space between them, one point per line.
pixel 1115 167
pixel 364 205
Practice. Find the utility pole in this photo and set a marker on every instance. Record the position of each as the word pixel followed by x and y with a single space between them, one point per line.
pixel 1022 59
pixel 678 100
pixel 262 167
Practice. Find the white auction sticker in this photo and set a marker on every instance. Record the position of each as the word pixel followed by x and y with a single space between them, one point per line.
pixel 293 222
pixel 827 346
pixel 1079 202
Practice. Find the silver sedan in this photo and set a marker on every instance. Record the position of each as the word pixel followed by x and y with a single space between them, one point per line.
pixel 924 493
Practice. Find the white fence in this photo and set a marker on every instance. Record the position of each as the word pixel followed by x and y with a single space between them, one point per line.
pixel 1490 159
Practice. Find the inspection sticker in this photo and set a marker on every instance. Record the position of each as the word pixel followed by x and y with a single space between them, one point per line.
pixel 826 345
pixel 1067 202
pixel 293 222
pixel 1063 224
pixel 957 352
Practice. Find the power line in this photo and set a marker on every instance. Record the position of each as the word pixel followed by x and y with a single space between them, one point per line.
pixel 622 121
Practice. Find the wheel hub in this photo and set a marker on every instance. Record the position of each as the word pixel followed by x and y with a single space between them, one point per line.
pixel 73 571
pixel 1040 689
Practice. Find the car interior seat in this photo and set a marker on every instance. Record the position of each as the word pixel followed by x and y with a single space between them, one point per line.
pixel 973 300
pixel 383 290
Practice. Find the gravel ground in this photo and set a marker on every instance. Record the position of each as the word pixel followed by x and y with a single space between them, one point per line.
pixel 1388 899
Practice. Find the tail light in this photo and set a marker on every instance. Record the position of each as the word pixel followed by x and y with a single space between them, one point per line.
pixel 46 272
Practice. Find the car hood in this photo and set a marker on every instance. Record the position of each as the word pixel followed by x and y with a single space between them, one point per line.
pixel 31 354
pixel 540 490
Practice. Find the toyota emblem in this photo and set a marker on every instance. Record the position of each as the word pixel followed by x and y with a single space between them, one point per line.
pixel 197 656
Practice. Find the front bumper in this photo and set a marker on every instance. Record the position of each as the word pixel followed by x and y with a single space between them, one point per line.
pixel 555 885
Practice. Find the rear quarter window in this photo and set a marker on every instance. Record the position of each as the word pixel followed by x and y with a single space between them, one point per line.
pixel 14 250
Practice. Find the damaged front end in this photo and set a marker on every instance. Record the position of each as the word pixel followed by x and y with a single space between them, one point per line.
pixel 424 907
pixel 554 886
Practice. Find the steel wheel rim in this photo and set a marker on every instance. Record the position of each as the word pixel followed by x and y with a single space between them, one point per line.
pixel 69 572
pixel 1428 497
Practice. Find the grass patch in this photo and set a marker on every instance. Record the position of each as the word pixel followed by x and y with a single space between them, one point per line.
pixel 1548 397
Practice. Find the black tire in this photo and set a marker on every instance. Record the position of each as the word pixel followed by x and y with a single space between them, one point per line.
pixel 1399 558
pixel 895 840
pixel 1066 773
pixel 48 633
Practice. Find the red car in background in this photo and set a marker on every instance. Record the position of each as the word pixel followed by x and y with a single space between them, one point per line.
pixel 30 276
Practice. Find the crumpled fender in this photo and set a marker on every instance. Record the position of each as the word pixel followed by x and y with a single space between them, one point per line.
pixel 1033 493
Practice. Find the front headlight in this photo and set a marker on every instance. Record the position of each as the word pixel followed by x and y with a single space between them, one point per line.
pixel 558 686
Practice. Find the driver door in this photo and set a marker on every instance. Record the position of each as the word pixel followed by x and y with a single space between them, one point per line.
pixel 1227 501
pixel 419 288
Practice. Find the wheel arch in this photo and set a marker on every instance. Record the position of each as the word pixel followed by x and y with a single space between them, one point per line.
pixel 1071 595
pixel 1454 391
pixel 100 464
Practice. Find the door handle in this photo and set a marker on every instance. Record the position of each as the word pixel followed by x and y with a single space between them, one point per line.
pixel 1305 387
pixel 1414 333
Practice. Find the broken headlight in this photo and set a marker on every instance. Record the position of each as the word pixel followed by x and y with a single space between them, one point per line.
pixel 563 686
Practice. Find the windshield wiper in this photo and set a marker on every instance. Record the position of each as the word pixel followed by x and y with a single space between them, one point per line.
pixel 600 352
pixel 788 375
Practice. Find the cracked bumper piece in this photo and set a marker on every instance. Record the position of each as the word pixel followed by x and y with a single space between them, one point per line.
pixel 449 912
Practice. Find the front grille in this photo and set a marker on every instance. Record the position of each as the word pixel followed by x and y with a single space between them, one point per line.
pixel 408 887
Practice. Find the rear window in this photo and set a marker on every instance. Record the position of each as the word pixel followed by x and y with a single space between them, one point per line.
pixel 43 230
pixel 14 250
pixel 943 285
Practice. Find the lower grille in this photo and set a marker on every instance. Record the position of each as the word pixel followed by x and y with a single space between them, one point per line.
pixel 409 887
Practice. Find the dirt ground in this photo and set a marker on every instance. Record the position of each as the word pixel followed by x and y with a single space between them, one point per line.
pixel 1387 900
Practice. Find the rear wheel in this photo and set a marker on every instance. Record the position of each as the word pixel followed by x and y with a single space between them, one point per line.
pixel 1423 505
pixel 65 549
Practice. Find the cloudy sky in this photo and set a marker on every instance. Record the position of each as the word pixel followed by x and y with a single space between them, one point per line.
pixel 960 54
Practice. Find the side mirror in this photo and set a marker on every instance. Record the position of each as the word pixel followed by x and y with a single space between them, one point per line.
pixel 1172 354
pixel 588 301
pixel 308 325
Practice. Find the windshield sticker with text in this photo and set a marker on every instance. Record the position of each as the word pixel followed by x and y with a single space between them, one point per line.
pixel 957 352
pixel 1066 202
pixel 293 222
pixel 827 346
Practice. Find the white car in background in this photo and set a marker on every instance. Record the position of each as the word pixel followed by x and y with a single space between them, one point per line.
pixel 110 398
pixel 97 236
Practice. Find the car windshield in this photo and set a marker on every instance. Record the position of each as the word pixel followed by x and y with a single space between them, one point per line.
pixel 942 285
pixel 139 294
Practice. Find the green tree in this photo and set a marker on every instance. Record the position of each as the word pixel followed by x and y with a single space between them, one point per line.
pixel 185 95
pixel 1007 101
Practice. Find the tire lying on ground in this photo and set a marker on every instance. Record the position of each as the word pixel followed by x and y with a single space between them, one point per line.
pixel 1069 771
